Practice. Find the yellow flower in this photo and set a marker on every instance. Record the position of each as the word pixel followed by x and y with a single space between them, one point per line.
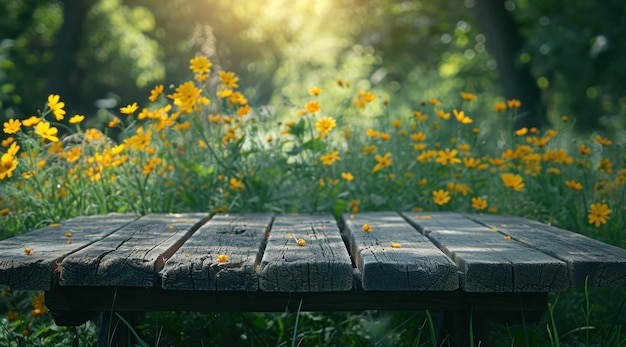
pixel 93 135
pixel 301 242
pixel 512 181
pixel 129 109
pixel 139 141
pixel 73 154
pixel 605 166
pixel 155 93
pixel 603 141
pixel 371 149
pixel 312 106
pixel 56 106
pixel 8 163
pixel 372 133
pixel 584 150
pixel 354 206
pixel 499 106
pixel 385 136
pixel 434 102
pixel 330 158
pixel 7 141
pixel 324 125
pixel 574 185
pixel 224 93
pixel 315 91
pixel 222 258
pixel 367 228
pixel 243 110
pixel 186 96
pixel 12 126
pixel 200 65
pixel 229 79
pixel 521 132
pixel 468 96
pixel 441 197
pixel 77 119
pixel 236 184
pixel 479 203
pixel 47 132
pixel 513 104
pixel 347 176
pixel 30 121
pixel 420 116
pixel 383 162
pixel 395 245
pixel 448 157
pixel 442 114
pixel 461 117
pixel 599 214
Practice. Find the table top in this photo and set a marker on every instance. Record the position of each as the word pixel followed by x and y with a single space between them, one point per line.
pixel 371 252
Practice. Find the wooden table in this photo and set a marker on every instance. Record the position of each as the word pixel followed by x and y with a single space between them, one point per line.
pixel 386 261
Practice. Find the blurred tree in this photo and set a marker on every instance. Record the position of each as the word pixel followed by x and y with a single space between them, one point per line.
pixel 505 45
pixel 64 74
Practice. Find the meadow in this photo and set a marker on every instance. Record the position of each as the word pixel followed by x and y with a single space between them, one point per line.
pixel 337 147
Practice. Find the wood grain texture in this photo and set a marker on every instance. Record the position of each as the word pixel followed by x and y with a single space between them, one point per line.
pixel 133 255
pixel 489 262
pixel 49 246
pixel 603 264
pixel 195 266
pixel 417 266
pixel 322 265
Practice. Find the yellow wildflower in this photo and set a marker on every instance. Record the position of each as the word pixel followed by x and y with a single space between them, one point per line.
pixel 324 125
pixel 434 102
pixel 479 203
pixel 461 117
pixel 222 258
pixel 448 157
pixel 512 181
pixel 441 197
pixel 367 228
pixel 301 242
pixel 513 104
pixel 599 214
pixel 468 96
pixel 347 176
pixel 229 79
pixel 8 163
pixel 155 93
pixel 12 126
pixel 354 206
pixel 47 132
pixel 315 91
pixel 312 106
pixel 442 114
pixel 77 119
pixel 521 132
pixel 30 121
pixel 383 162
pixel 330 158
pixel 129 109
pixel 584 150
pixel 499 106
pixel 200 65
pixel 372 133
pixel 56 106
pixel 395 245
pixel 603 141
pixel 574 185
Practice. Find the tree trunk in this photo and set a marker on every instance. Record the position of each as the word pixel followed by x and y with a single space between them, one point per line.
pixel 63 76
pixel 504 44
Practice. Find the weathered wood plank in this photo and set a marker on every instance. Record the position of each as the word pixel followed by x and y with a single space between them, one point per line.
pixel 416 266
pixel 133 255
pixel 195 265
pixel 490 262
pixel 323 264
pixel 603 264
pixel 48 246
